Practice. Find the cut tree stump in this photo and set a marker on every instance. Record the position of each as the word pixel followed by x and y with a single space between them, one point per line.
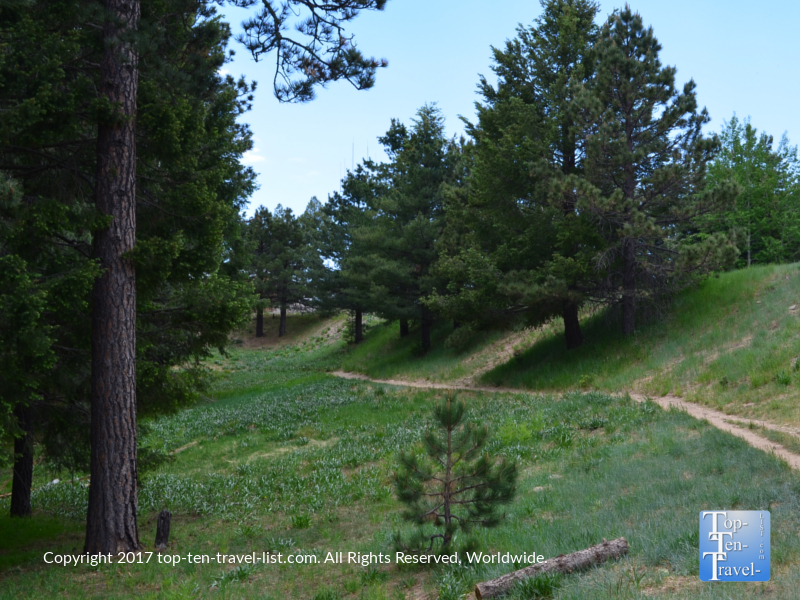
pixel 566 563
pixel 162 530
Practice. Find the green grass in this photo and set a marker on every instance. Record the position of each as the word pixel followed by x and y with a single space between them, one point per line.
pixel 302 462
pixel 289 459
pixel 730 344
pixel 302 329
pixel 787 440
pixel 384 354
pixel 24 540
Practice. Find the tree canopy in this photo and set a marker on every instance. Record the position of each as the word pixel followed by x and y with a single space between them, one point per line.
pixel 765 219
pixel 397 244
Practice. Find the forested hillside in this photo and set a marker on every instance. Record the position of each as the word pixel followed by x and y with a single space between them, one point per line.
pixel 470 345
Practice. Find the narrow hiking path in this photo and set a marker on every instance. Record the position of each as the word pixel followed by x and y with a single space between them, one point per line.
pixel 734 425
pixel 429 385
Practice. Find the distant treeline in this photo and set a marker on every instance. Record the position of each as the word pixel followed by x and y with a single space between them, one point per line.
pixel 586 179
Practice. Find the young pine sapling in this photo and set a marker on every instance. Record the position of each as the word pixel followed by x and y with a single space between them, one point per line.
pixel 455 485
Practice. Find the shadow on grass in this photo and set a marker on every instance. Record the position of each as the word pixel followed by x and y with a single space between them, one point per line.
pixel 26 540
pixel 383 353
pixel 715 316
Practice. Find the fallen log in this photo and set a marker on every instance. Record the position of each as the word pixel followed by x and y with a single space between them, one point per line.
pixel 565 563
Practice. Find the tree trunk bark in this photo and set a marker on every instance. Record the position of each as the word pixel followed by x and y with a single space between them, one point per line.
pixel 749 257
pixel 426 330
pixel 403 327
pixel 259 322
pixel 23 464
pixel 282 328
pixel 359 326
pixel 628 243
pixel 566 563
pixel 572 325
pixel 162 529
pixel 111 524
pixel 629 287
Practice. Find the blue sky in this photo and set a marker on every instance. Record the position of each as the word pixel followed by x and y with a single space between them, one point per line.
pixel 743 56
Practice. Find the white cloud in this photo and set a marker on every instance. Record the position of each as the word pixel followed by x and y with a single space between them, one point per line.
pixel 253 156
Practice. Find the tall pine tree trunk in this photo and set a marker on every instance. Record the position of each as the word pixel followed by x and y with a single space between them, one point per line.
pixel 403 327
pixel 629 247
pixel 749 256
pixel 628 286
pixel 572 325
pixel 111 524
pixel 569 312
pixel 23 464
pixel 260 321
pixel 282 327
pixel 427 321
pixel 359 326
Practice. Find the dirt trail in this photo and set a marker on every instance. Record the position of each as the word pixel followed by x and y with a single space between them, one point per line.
pixel 498 353
pixel 734 425
pixel 428 385
pixel 737 426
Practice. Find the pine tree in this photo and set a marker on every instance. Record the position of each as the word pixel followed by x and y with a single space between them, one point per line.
pixel 343 284
pixel 525 250
pixel 279 259
pixel 319 236
pixel 765 218
pixel 397 246
pixel 26 354
pixel 62 153
pixel 646 165
pixel 455 485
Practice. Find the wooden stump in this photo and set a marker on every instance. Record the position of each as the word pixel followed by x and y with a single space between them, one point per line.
pixel 162 530
pixel 566 563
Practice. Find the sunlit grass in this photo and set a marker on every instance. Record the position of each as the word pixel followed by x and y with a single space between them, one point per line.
pixel 384 354
pixel 731 343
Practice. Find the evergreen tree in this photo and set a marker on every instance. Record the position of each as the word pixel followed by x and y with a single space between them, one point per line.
pixel 646 164
pixel 340 285
pixel 765 219
pixel 188 149
pixel 525 249
pixel 26 354
pixel 77 150
pixel 397 247
pixel 279 259
pixel 321 53
pixel 318 232
pixel 455 485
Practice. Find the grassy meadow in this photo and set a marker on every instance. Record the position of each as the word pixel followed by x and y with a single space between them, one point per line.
pixel 284 457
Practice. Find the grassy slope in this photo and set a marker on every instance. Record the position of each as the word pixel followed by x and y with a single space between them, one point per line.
pixel 304 465
pixel 731 343
pixel 384 355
